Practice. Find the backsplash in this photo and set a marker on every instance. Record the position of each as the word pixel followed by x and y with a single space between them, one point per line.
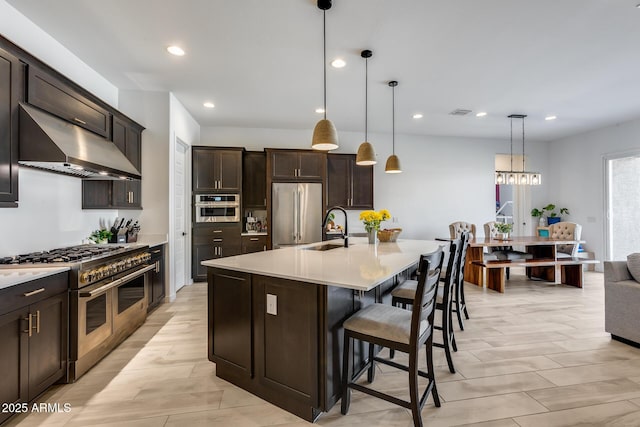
pixel 49 215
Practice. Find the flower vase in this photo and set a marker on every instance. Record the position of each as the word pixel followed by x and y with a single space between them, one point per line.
pixel 372 235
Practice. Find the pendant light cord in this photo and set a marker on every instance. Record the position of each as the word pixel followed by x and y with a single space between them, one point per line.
pixel 393 120
pixel 523 169
pixel 511 144
pixel 366 96
pixel 324 58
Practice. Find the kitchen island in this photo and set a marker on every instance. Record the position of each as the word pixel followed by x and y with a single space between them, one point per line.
pixel 275 318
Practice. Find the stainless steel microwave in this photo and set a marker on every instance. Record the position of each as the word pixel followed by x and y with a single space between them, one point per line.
pixel 217 207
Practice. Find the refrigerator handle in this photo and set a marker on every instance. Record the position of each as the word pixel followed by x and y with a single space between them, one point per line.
pixel 299 214
pixel 295 216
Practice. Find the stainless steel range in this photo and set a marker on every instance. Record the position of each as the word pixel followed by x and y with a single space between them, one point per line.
pixel 108 296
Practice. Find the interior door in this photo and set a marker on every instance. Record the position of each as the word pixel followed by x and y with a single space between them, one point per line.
pixel 180 215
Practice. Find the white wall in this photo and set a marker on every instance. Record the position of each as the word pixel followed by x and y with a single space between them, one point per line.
pixel 24 33
pixel 577 165
pixel 445 179
pixel 50 207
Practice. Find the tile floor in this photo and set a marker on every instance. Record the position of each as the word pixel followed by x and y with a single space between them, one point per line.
pixel 534 356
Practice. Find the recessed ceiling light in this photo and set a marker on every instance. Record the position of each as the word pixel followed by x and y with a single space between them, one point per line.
pixel 338 63
pixel 175 50
pixel 208 104
pixel 481 114
pixel 417 116
pixel 550 118
pixel 319 110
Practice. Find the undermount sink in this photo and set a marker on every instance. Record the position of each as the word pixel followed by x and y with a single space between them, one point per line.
pixel 323 247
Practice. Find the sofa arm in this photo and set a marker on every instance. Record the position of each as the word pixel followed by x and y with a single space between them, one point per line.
pixel 616 271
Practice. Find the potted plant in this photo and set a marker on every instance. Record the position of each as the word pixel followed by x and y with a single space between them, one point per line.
pixel 504 229
pixel 100 236
pixel 552 217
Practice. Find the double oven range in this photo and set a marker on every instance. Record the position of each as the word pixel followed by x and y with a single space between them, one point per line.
pixel 108 286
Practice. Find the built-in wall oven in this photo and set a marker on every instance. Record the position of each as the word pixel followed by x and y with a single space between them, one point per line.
pixel 217 207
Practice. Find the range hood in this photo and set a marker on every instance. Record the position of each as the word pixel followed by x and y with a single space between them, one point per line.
pixel 52 144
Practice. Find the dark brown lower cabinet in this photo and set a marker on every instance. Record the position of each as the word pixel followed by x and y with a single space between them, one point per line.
pixel 34 337
pixel 282 339
pixel 156 288
pixel 211 241
pixel 252 244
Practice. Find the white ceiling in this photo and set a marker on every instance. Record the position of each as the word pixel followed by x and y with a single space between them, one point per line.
pixel 260 61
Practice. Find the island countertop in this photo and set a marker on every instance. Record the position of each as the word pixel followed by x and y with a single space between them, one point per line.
pixel 361 266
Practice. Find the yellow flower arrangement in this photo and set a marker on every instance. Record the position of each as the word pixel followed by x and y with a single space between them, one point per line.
pixel 372 219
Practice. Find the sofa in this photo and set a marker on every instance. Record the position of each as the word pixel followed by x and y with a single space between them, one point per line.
pixel 621 302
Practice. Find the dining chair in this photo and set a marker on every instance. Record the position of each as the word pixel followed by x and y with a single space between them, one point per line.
pixel 456 229
pixel 399 329
pixel 404 295
pixel 565 231
pixel 459 304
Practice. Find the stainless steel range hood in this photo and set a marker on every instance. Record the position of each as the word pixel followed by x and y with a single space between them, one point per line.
pixel 49 143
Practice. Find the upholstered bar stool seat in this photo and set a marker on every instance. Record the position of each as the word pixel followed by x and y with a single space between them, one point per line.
pixel 385 322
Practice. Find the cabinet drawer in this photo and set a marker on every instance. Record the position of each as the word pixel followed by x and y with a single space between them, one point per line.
pixel 15 297
pixel 50 94
pixel 216 232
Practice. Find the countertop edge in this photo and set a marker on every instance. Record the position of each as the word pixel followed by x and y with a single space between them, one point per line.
pixel 27 275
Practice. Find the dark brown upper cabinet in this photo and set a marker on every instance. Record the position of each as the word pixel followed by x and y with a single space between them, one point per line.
pixel 217 170
pixel 254 179
pixel 52 94
pixel 349 185
pixel 11 78
pixel 297 165
pixel 123 194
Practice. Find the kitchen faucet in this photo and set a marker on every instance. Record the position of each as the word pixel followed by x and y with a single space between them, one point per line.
pixel 345 233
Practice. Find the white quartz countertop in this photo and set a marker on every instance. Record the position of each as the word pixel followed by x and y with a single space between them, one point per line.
pixel 361 266
pixel 152 239
pixel 15 276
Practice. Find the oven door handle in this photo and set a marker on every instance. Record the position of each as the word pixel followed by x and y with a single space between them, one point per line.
pixel 117 282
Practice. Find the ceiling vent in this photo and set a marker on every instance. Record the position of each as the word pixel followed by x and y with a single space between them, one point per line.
pixel 459 112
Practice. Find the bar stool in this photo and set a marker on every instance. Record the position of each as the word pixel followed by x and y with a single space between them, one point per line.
pixel 403 294
pixel 459 304
pixel 399 329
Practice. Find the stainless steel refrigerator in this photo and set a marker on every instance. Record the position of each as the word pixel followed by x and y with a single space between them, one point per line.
pixel 296 214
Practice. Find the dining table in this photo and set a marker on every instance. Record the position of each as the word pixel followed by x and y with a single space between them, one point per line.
pixel 546 263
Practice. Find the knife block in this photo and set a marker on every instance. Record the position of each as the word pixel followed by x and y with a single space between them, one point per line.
pixel 121 237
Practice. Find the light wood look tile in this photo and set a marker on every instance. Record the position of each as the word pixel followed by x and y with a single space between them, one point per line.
pixel 536 355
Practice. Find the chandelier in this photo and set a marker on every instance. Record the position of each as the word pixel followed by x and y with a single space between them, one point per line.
pixel 521 177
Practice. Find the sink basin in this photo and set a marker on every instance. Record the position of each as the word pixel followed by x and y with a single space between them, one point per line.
pixel 323 247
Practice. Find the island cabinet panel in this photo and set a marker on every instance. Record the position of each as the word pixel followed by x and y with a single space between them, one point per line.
pixel 287 338
pixel 230 321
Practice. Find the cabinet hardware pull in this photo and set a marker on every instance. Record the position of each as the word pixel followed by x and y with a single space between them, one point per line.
pixel 254 239
pixel 37 291
pixel 264 248
pixel 217 231
pixel 217 240
pixel 157 266
pixel 156 251
pixel 220 250
pixel 75 119
pixel 37 321
pixel 29 325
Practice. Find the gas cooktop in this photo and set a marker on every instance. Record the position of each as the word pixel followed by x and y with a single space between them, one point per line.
pixel 70 254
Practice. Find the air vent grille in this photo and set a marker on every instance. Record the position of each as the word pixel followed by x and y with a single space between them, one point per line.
pixel 459 112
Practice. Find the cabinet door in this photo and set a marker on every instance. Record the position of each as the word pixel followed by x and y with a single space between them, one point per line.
pixel 128 138
pixel 58 98
pixel 204 173
pixel 14 367
pixel 202 252
pixel 96 194
pixel 10 93
pixel 254 177
pixel 312 165
pixel 338 180
pixel 126 194
pixel 48 343
pixel 252 244
pixel 284 165
pixel 230 170
pixel 362 187
pixel 156 290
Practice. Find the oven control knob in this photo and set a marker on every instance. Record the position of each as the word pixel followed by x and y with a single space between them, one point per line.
pixel 85 277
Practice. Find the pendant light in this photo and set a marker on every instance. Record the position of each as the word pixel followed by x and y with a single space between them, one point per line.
pixel 325 136
pixel 522 177
pixel 393 163
pixel 366 156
